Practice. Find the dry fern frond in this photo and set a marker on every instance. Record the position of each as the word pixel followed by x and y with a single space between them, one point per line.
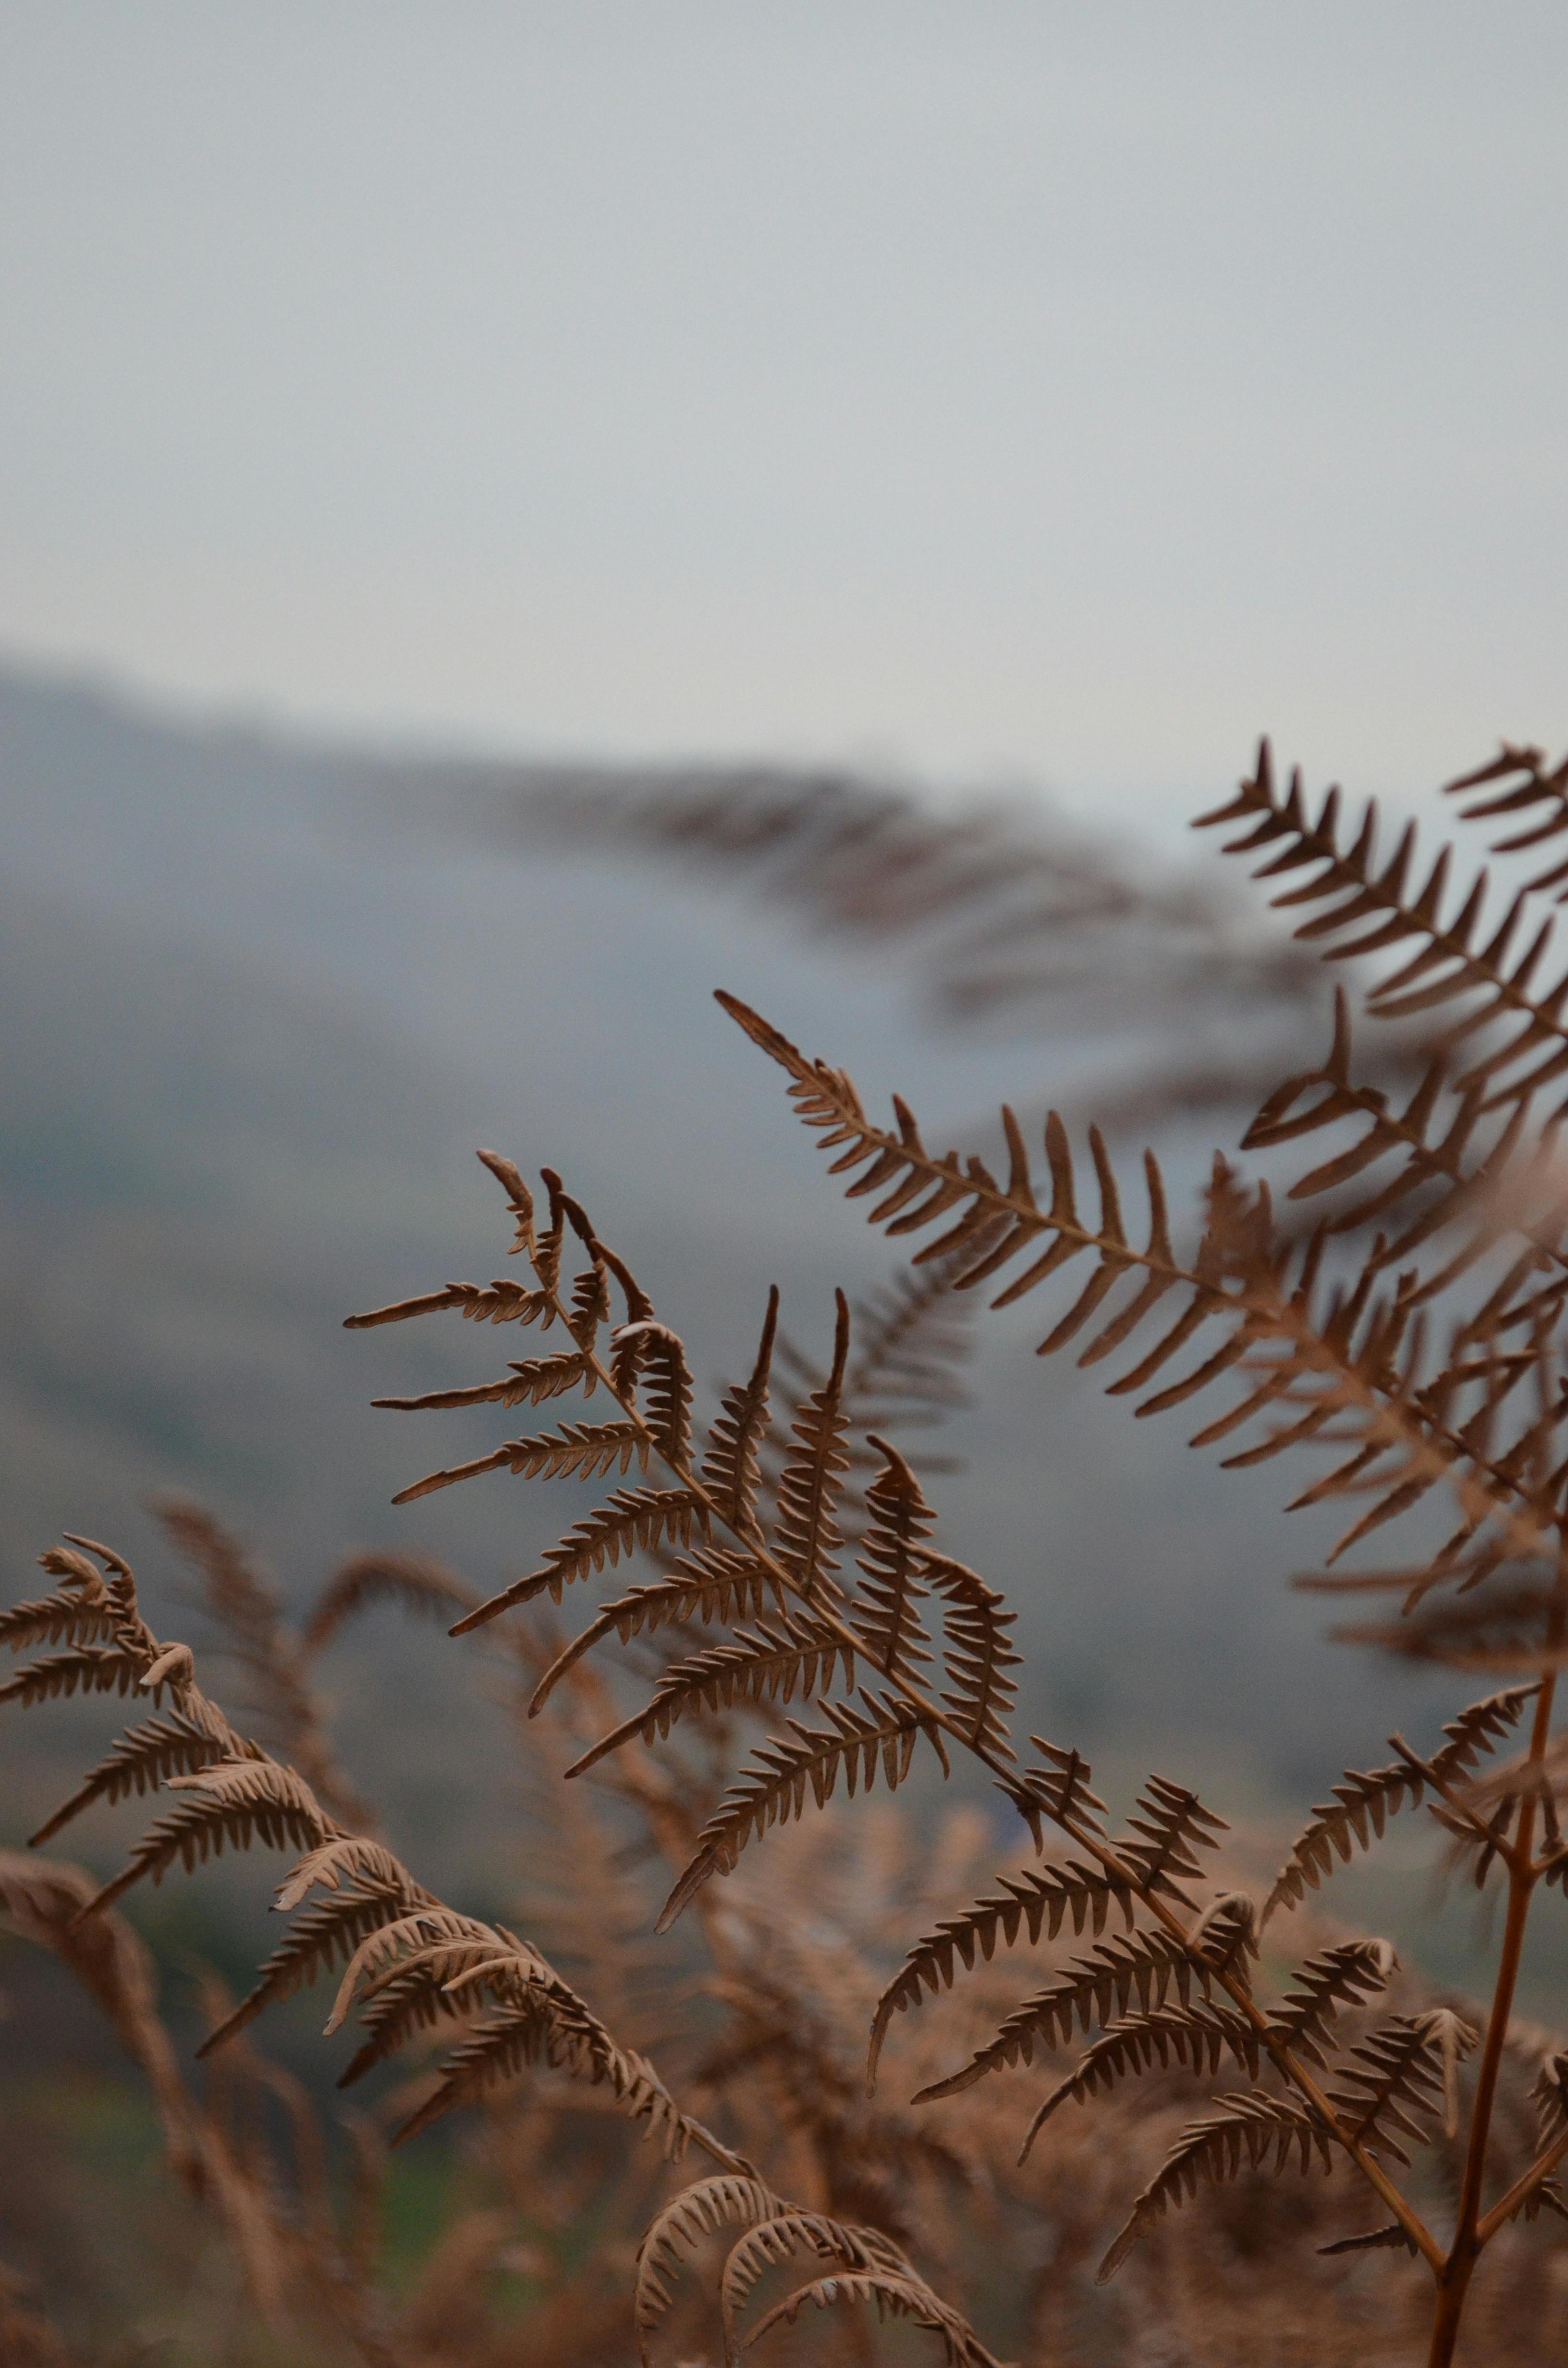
pixel 1541 786
pixel 142 1758
pixel 912 1335
pixel 998 910
pixel 236 1804
pixel 770 2244
pixel 730 2201
pixel 1245 2129
pixel 419 1585
pixel 1364 1802
pixel 876 1731
pixel 1393 2080
pixel 895 2296
pixel 977 1655
pixel 885 1612
pixel 1494 1189
pixel 327 1933
pixel 730 1459
pixel 1170 1823
pixel 796 1656
pixel 86 1668
pixel 1035 1901
pixel 527 1383
pixel 1341 1977
pixel 68 1613
pixel 654 1356
pixel 551 2031
pixel 1355 1363
pixel 47 1903
pixel 632 1520
pixel 578 1450
pixel 806 1536
pixel 1059 1789
pixel 501 1302
pixel 1089 1991
pixel 1383 910
pixel 1198 2036
pixel 1498 1630
pixel 710 1584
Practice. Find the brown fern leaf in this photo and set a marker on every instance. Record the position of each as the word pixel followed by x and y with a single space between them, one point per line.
pixel 1541 786
pixel 579 1451
pixel 1034 1902
pixel 1450 965
pixel 730 1468
pixel 661 1366
pixel 1092 1990
pixel 86 1668
pixel 1342 1363
pixel 1170 1824
pixel 717 1585
pixel 1550 2096
pixel 906 2297
pixel 918 1188
pixel 325 1935
pixel 1500 1190
pixel 795 1656
pixel 911 1334
pixel 1243 2132
pixel 1364 1802
pixel 1433 1133
pixel 770 2243
pixel 143 1758
pixel 75 1570
pixel 428 1937
pixel 527 1383
pixel 977 1654
pixel 421 1587
pixel 405 2004
pixel 1390 2238
pixel 1225 1936
pixel 885 1614
pixel 730 2201
pixel 500 1302
pixel 1058 1790
pixel 553 2027
pixel 1340 1976
pixel 874 1731
pixel 632 1520
pixel 50 1619
pixel 234 1803
pixel 342 1858
pixel 1198 2036
pixel 806 1535
pixel 519 1199
pixel 1394 2078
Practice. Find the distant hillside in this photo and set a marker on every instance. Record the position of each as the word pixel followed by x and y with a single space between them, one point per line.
pixel 254 1031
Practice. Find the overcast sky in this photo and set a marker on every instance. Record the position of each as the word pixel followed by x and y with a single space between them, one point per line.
pixel 1053 393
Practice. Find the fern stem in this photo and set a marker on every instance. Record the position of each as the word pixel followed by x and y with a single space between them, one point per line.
pixel 1470 2233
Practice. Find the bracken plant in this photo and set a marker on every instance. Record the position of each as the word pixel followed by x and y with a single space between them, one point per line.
pixel 1400 1315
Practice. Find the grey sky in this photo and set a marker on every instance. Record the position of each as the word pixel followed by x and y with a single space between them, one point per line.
pixel 1063 392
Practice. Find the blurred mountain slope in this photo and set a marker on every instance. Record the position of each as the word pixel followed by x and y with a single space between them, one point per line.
pixel 256 1026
